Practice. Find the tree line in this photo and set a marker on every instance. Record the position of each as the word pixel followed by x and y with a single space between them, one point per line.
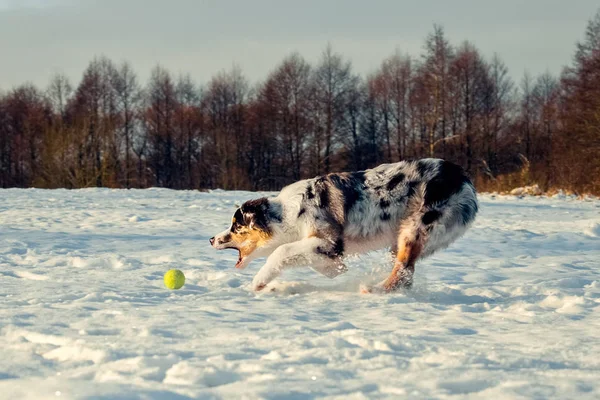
pixel 110 130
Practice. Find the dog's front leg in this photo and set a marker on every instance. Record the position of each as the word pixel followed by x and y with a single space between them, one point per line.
pixel 309 251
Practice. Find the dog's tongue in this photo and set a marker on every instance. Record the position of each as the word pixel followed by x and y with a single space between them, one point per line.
pixel 239 261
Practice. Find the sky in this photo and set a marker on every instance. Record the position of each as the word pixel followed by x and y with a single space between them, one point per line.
pixel 39 38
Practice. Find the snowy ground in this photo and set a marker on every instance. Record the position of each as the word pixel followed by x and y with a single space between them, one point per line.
pixel 512 310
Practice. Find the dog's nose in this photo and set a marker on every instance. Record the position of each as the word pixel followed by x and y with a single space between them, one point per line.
pixel 212 241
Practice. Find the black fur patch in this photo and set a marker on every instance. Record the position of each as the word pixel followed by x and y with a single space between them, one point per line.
pixel 448 181
pixel 383 203
pixel 334 252
pixel 385 216
pixel 239 219
pixel 339 247
pixel 412 188
pixel 431 216
pixel 395 181
pixel 351 185
pixel 302 211
pixel 273 215
pixel 309 192
pixel 351 197
pixel 323 193
pixel 424 166
pixel 257 212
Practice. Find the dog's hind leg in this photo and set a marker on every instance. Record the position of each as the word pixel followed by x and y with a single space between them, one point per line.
pixel 410 246
pixel 413 238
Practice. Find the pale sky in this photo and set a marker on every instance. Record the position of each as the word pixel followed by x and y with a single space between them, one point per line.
pixel 39 38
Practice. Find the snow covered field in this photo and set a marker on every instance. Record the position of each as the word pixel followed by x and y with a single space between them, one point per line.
pixel 512 310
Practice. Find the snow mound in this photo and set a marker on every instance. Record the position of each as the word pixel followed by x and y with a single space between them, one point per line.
pixel 533 190
pixel 593 229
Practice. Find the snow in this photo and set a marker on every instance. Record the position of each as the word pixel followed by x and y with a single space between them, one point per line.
pixel 511 310
pixel 533 190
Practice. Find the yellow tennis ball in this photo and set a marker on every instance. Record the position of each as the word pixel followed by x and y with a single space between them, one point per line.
pixel 174 279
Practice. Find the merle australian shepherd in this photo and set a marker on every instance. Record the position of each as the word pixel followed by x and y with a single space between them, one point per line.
pixel 414 208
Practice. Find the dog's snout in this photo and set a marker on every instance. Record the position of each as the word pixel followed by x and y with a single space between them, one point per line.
pixel 212 241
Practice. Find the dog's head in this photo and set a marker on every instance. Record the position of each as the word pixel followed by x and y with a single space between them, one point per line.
pixel 251 228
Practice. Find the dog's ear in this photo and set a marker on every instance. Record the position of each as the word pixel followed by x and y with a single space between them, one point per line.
pixel 238 217
pixel 255 213
pixel 249 219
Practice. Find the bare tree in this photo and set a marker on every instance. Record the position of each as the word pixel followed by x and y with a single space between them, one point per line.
pixel 498 109
pixel 225 103
pixel 470 74
pixel 332 81
pixel 527 114
pixel 435 71
pixel 93 108
pixel 189 121
pixel 128 97
pixel 287 93
pixel 545 101
pixel 26 115
pixel 59 93
pixel 159 120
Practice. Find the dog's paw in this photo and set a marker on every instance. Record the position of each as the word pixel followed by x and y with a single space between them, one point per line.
pixel 263 278
pixel 258 284
pixel 371 289
pixel 383 288
pixel 364 289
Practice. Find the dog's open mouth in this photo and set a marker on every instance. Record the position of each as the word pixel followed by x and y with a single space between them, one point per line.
pixel 238 263
pixel 240 260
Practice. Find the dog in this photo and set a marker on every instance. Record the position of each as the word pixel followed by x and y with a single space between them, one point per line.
pixel 414 208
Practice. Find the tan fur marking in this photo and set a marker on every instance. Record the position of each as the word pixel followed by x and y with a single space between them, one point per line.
pixel 336 203
pixel 408 252
pixel 247 240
